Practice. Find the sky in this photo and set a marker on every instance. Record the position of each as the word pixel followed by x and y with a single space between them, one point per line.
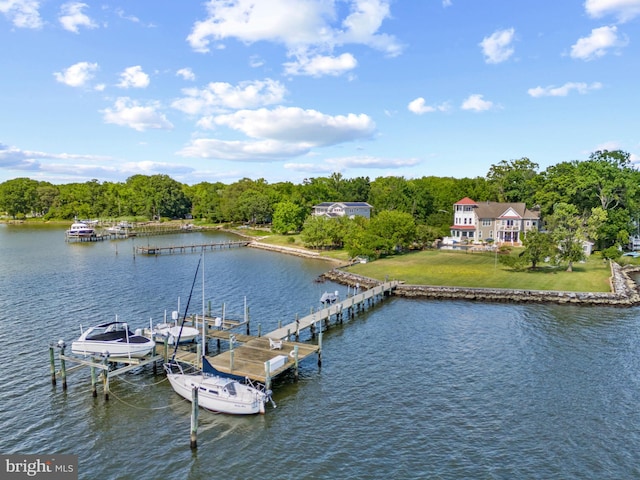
pixel 286 90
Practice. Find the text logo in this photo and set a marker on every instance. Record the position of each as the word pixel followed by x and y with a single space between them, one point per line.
pixel 49 467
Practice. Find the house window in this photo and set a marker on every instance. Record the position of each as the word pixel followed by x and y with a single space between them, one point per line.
pixel 486 222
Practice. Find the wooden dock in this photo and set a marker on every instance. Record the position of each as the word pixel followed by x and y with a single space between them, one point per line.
pixel 259 358
pixel 248 355
pixel 199 247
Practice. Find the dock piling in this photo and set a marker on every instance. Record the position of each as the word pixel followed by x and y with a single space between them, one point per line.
pixel 105 376
pixel 52 362
pixel 193 437
pixel 94 381
pixel 63 366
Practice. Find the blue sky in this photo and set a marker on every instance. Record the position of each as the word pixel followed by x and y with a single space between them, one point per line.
pixel 290 89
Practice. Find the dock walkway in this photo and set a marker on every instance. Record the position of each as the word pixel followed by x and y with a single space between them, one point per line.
pixel 199 247
pixel 254 357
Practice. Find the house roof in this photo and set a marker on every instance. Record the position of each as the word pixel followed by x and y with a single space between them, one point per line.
pixel 462 227
pixel 504 210
pixel 465 201
pixel 346 204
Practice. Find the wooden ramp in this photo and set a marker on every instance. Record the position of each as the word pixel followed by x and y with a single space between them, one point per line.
pixel 248 355
pixel 336 309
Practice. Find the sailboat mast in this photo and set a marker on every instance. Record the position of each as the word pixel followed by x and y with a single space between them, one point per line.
pixel 186 309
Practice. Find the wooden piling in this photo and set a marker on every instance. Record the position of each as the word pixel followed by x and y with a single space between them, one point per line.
pixel 193 437
pixel 52 361
pixel 267 375
pixel 105 377
pixel 296 371
pixel 63 367
pixel 94 381
pixel 319 346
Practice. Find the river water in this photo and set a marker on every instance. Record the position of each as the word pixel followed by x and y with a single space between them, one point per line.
pixel 408 389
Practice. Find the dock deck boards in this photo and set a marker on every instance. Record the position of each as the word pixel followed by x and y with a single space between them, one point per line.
pixel 251 352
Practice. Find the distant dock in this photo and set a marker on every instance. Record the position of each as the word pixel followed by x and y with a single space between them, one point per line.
pixel 199 247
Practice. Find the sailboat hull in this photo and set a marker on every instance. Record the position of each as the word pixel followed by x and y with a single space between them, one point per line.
pixel 219 394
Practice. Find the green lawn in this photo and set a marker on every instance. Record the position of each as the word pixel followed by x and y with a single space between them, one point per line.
pixel 461 269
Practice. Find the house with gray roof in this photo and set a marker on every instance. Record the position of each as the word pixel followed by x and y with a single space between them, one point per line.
pixel 341 209
pixel 476 222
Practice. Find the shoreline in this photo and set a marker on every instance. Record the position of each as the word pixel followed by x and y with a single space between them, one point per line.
pixel 624 291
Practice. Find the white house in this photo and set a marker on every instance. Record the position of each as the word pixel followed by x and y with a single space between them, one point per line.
pixel 341 209
pixel 502 222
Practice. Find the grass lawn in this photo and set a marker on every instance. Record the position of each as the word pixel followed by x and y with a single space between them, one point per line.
pixel 461 269
pixel 480 269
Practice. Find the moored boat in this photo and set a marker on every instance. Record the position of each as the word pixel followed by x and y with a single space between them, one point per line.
pixel 113 338
pixel 81 230
pixel 218 393
pixel 328 298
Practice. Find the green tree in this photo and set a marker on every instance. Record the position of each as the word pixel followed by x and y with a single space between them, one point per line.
pixel 537 246
pixel 316 232
pixel 391 193
pixel 18 196
pixel 390 231
pixel 570 229
pixel 513 181
pixel 287 217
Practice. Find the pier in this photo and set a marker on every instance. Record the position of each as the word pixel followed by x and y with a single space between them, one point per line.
pixel 199 247
pixel 259 357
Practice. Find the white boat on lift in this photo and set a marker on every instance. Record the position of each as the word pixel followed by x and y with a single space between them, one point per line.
pixel 81 230
pixel 173 331
pixel 328 298
pixel 114 338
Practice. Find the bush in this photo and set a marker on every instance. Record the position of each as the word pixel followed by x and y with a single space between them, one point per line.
pixel 611 253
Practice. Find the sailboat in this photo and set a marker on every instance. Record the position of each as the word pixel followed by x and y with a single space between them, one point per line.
pixel 217 392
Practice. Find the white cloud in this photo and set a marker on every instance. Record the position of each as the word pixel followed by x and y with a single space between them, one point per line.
pixel 71 17
pixel 302 26
pixel 372 162
pixel 330 165
pixel 321 65
pixel 624 10
pixel 564 90
pixel 244 151
pixel 22 13
pixel 17 159
pixel 217 96
pixel 597 44
pixel 498 46
pixel 279 133
pixel 446 3
pixel 419 107
pixel 186 73
pixel 149 167
pixel 476 103
pixel 128 113
pixel 133 77
pixel 77 75
pixel 300 126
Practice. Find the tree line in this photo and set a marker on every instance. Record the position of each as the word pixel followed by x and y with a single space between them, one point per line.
pixel 407 213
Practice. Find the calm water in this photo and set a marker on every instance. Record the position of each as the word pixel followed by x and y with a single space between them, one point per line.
pixel 409 389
